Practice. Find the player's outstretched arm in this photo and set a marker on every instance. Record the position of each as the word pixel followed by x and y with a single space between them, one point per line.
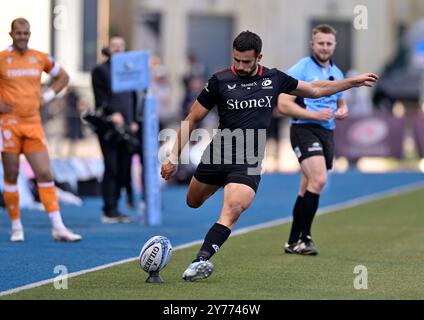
pixel 317 89
pixel 197 114
pixel 287 106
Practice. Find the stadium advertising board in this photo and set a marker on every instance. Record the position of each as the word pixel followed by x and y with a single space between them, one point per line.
pixel 371 136
pixel 419 135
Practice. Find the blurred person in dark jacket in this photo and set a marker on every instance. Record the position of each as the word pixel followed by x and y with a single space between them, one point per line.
pixel 119 110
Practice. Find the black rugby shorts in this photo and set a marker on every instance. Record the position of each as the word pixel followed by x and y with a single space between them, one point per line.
pixel 223 174
pixel 310 139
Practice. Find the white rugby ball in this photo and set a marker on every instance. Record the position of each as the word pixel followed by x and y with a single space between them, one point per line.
pixel 155 254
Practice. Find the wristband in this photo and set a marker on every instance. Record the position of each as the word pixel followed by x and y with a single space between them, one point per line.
pixel 48 95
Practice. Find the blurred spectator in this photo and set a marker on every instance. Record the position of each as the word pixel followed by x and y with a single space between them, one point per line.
pixel 273 141
pixel 73 121
pixel 118 111
pixel 195 69
pixel 421 98
pixel 161 89
pixel 194 87
pixel 137 157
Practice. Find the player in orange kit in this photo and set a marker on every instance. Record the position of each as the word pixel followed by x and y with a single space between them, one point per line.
pixel 21 127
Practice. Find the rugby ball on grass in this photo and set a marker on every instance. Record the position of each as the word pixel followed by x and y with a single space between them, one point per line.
pixel 155 254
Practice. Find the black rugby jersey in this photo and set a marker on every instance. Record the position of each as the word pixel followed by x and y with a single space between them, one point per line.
pixel 245 102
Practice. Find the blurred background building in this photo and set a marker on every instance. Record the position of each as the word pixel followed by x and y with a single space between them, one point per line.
pixel 191 39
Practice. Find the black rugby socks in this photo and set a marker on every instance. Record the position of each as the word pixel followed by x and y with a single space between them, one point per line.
pixel 214 239
pixel 297 223
pixel 309 208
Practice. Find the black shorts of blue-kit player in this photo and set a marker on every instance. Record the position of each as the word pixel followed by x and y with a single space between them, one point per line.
pixel 310 139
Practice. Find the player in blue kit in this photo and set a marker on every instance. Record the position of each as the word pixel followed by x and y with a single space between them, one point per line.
pixel 246 95
pixel 312 140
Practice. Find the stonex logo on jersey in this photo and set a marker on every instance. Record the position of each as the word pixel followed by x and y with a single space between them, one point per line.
pixel 247 85
pixel 235 104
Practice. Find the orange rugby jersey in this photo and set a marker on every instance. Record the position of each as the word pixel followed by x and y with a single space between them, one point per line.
pixel 20 81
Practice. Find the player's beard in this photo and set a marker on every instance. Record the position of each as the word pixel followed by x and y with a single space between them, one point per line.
pixel 21 45
pixel 322 60
pixel 244 74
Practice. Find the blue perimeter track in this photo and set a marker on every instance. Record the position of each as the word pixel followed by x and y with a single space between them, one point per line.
pixel 35 259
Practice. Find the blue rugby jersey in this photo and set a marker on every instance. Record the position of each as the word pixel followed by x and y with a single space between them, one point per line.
pixel 308 69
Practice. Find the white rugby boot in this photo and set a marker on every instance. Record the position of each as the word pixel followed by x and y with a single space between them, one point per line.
pixel 198 270
pixel 17 235
pixel 65 235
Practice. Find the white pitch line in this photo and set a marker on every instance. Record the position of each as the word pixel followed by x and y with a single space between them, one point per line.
pixel 328 209
pixel 71 275
pixel 78 273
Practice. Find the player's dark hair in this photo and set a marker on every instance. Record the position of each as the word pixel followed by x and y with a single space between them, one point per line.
pixel 246 41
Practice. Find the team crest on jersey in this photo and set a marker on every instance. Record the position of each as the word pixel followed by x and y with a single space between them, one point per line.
pixel 267 84
pixel 7 134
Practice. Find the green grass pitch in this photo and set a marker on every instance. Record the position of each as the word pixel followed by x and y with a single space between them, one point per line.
pixel 386 236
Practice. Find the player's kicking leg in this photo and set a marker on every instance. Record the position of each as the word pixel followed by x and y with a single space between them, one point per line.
pixel 198 192
pixel 237 198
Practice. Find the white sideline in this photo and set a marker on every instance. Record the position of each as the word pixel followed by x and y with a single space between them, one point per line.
pixel 328 209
